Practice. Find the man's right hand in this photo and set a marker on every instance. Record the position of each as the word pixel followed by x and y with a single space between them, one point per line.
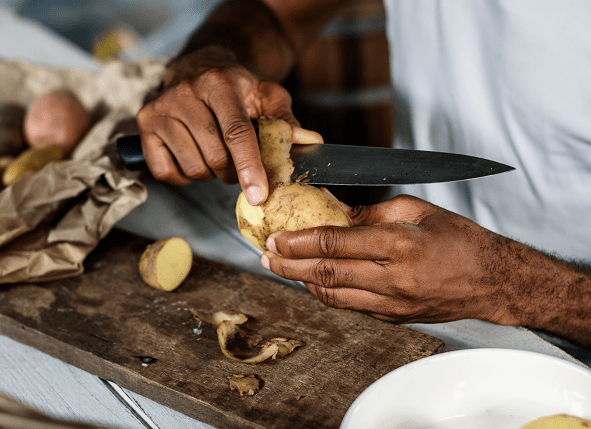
pixel 199 126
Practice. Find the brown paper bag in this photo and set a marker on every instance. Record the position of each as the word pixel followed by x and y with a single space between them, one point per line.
pixel 52 219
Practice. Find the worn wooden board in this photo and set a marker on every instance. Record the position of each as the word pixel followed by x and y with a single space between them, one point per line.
pixel 107 320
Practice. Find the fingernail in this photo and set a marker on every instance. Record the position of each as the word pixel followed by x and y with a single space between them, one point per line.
pixel 271 245
pixel 265 262
pixel 254 195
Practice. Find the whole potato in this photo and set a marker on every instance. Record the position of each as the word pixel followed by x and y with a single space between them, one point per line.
pixel 558 421
pixel 12 140
pixel 290 206
pixel 58 118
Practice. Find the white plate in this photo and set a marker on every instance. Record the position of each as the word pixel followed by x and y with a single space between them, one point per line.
pixel 480 388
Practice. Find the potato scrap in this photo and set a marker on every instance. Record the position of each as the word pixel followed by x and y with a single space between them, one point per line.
pixel 166 263
pixel 247 385
pixel 218 317
pixel 227 326
pixel 290 206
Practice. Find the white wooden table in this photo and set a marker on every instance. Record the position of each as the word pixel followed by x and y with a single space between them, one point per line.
pixel 204 214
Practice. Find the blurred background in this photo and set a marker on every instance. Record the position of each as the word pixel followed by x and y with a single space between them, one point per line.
pixel 145 28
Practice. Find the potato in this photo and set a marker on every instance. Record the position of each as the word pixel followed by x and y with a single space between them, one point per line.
pixel 558 421
pixel 59 118
pixel 290 206
pixel 166 263
pixel 33 159
pixel 12 140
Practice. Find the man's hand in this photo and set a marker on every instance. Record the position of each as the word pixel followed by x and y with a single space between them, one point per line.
pixel 404 260
pixel 199 127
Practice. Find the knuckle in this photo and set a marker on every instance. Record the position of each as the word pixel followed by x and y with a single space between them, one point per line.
pixel 328 297
pixel 325 273
pixel 197 171
pixel 182 89
pixel 331 241
pixel 211 78
pixel 236 130
pixel 404 246
pixel 362 214
pixel 162 174
pixel 274 93
pixel 218 160
pixel 143 115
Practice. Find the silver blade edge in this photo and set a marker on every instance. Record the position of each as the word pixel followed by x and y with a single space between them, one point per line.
pixel 325 164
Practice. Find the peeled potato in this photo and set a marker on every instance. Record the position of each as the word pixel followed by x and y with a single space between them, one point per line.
pixel 558 421
pixel 166 263
pixel 57 117
pixel 290 206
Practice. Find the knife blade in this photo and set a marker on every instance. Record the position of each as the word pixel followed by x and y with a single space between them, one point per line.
pixel 328 164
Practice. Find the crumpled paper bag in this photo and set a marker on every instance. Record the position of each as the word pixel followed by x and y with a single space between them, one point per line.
pixel 52 219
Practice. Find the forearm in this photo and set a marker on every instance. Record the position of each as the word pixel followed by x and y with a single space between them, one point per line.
pixel 266 36
pixel 250 33
pixel 546 293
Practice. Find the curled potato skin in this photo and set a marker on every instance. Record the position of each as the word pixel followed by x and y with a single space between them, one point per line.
pixel 226 323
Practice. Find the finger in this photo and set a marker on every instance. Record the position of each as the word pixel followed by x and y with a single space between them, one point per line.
pixel 160 161
pixel 185 150
pixel 377 242
pixel 330 273
pixel 206 133
pixel 241 140
pixel 363 301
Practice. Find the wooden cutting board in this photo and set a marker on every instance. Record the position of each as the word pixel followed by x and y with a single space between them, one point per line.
pixel 109 323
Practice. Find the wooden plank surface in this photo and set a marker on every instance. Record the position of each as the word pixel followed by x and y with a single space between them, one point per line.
pixel 107 320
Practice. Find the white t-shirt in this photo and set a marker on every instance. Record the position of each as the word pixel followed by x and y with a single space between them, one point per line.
pixel 507 80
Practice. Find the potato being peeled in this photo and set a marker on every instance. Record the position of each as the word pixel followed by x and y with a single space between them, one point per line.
pixel 290 206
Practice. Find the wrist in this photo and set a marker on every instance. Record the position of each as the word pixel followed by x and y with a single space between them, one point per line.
pixel 193 64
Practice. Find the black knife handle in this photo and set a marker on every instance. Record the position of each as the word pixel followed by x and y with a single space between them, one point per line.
pixel 129 149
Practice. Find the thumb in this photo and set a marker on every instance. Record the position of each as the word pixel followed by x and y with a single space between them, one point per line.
pixel 400 209
pixel 303 136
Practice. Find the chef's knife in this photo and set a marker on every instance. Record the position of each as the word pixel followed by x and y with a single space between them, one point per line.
pixel 328 164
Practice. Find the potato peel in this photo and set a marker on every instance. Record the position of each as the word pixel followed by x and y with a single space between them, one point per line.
pixel 218 317
pixel 247 385
pixel 227 322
